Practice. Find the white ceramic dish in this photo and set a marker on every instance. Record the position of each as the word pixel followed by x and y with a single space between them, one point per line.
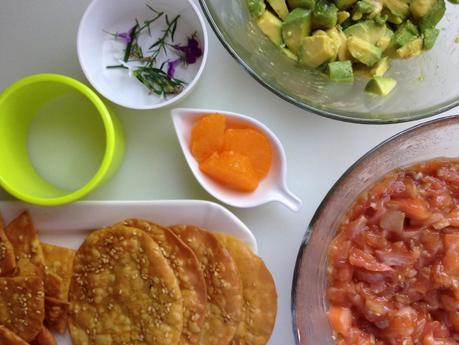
pixel 272 188
pixel 68 225
pixel 98 49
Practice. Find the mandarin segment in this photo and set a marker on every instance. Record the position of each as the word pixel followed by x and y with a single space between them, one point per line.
pixel 207 136
pixel 254 145
pixel 231 169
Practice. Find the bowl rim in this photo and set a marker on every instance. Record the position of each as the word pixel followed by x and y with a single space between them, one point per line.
pixel 323 204
pixel 340 116
pixel 161 104
pixel 109 131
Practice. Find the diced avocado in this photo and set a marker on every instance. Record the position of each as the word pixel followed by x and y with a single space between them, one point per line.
pixel 368 8
pixel 295 28
pixel 384 42
pixel 419 8
pixel 368 30
pixel 343 16
pixel 381 19
pixel 410 49
pixel 380 68
pixel 280 7
pixel 430 36
pixel 398 8
pixel 290 54
pixel 456 2
pixel 380 86
pixel 405 33
pixel 344 4
pixel 340 40
pixel 324 15
pixel 271 27
pixel 340 71
pixel 391 18
pixel 256 7
pixel 364 51
pixel 306 4
pixel 433 16
pixel 316 50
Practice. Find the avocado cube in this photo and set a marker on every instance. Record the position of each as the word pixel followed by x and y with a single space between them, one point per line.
pixel 456 2
pixel 340 71
pixel 433 16
pixel 380 68
pixel 343 16
pixel 324 15
pixel 256 7
pixel 405 33
pixel 306 4
pixel 410 49
pixel 363 51
pixel 271 26
pixel 430 36
pixel 316 50
pixel 380 86
pixel 368 30
pixel 280 7
pixel 295 28
pixel 340 40
pixel 419 8
pixel 345 4
pixel 400 9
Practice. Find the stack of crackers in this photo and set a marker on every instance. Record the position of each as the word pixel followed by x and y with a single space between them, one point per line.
pixel 34 285
pixel 134 283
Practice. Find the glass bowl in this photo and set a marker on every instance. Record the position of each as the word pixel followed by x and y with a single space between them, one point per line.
pixel 427 84
pixel 438 138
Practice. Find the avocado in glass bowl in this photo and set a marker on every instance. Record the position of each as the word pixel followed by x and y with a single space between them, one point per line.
pixel 427 84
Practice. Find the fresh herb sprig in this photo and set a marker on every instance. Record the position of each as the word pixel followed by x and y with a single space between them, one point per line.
pixel 150 73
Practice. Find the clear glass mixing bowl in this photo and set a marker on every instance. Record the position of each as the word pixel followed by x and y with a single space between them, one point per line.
pixel 438 138
pixel 427 84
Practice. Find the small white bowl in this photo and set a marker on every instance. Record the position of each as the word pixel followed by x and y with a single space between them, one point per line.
pixel 272 188
pixel 98 49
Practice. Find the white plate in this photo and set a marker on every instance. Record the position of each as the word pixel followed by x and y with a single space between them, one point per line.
pixel 68 225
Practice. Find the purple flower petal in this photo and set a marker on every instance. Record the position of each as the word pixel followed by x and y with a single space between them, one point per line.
pixel 125 36
pixel 171 66
pixel 192 51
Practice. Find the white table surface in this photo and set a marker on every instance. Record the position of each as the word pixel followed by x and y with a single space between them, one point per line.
pixel 39 36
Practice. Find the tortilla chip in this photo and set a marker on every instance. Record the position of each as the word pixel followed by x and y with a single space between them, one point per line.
pixel 7 260
pixel 22 307
pixel 26 244
pixel 9 338
pixel 187 270
pixel 56 314
pixel 45 337
pixel 259 294
pixel 224 287
pixel 58 270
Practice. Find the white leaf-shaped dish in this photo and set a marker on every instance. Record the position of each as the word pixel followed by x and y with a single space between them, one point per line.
pixel 272 188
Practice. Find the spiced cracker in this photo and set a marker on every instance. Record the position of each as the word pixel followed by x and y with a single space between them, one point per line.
pixel 123 291
pixel 9 338
pixel 26 244
pixel 7 259
pixel 58 273
pixel 259 294
pixel 22 305
pixel 224 288
pixel 189 275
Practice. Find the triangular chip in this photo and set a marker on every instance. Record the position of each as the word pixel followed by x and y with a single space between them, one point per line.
pixel 26 245
pixel 7 260
pixel 9 338
pixel 45 337
pixel 58 270
pixel 22 305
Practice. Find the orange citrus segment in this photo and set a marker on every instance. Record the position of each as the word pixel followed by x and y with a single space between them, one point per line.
pixel 232 169
pixel 252 144
pixel 207 136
